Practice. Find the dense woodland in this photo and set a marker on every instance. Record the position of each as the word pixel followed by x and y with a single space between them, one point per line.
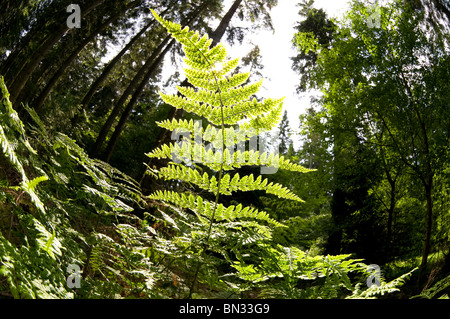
pixel 118 182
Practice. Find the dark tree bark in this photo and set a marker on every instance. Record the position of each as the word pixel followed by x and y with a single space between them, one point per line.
pixel 24 75
pixel 119 105
pixel 126 113
pixel 37 104
pixel 391 209
pixel 428 186
pixel 392 180
pixel 147 68
pixel 217 35
pixel 110 66
pixel 39 26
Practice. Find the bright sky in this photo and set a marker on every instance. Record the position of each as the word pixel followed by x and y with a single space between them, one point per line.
pixel 276 50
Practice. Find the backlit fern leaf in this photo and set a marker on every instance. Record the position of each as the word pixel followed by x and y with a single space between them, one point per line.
pixel 235 118
pixel 223 100
pixel 188 152
pixel 227 185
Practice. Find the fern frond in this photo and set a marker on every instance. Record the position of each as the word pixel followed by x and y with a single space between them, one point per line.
pixel 11 117
pixel 227 184
pixel 382 289
pixel 205 208
pixel 8 140
pixel 208 105
pixel 188 152
pixel 207 82
pixel 233 137
pixel 435 290
pixel 31 185
pixel 235 116
pixel 47 241
pixel 8 150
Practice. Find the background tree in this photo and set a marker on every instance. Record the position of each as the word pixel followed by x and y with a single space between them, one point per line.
pixel 283 135
pixel 314 23
pixel 376 85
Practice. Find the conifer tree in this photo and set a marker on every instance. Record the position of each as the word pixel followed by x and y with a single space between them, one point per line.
pixel 284 135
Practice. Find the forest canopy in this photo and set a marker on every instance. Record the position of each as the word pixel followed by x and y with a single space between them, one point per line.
pixel 118 182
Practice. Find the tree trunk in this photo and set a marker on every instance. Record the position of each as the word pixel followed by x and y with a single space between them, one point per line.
pixel 37 104
pixel 23 76
pixel 7 65
pixel 111 64
pixel 217 35
pixel 41 23
pixel 131 87
pixel 118 107
pixel 427 181
pixel 126 113
pixel 392 182
pixel 390 219
pixel 429 223
pixel 87 98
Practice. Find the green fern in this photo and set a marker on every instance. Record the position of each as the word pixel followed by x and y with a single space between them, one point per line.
pixel 439 290
pixel 81 198
pixel 234 117
pixel 382 289
pixel 12 133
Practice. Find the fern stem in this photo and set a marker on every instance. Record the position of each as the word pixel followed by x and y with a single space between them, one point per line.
pixel 219 179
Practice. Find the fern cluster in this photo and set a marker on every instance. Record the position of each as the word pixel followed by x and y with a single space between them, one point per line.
pixel 221 250
pixel 58 207
pixel 12 133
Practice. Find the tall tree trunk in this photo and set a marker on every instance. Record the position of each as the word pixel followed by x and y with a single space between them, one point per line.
pixel 37 104
pixel 131 88
pixel 427 180
pixel 118 106
pixel 217 35
pixel 429 224
pixel 87 98
pixel 23 43
pixel 110 66
pixel 392 201
pixel 20 47
pixel 23 76
pixel 426 177
pixel 337 203
pixel 126 113
pixel 390 217
pixel 177 114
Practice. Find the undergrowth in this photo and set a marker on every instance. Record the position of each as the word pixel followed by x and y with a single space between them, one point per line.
pixel 60 208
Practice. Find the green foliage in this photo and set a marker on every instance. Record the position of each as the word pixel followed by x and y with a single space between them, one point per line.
pixel 383 288
pixel 314 32
pixel 439 290
pixel 28 267
pixel 59 207
pixel 288 272
pixel 67 219
pixel 383 121
pixel 229 249
pixel 9 138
